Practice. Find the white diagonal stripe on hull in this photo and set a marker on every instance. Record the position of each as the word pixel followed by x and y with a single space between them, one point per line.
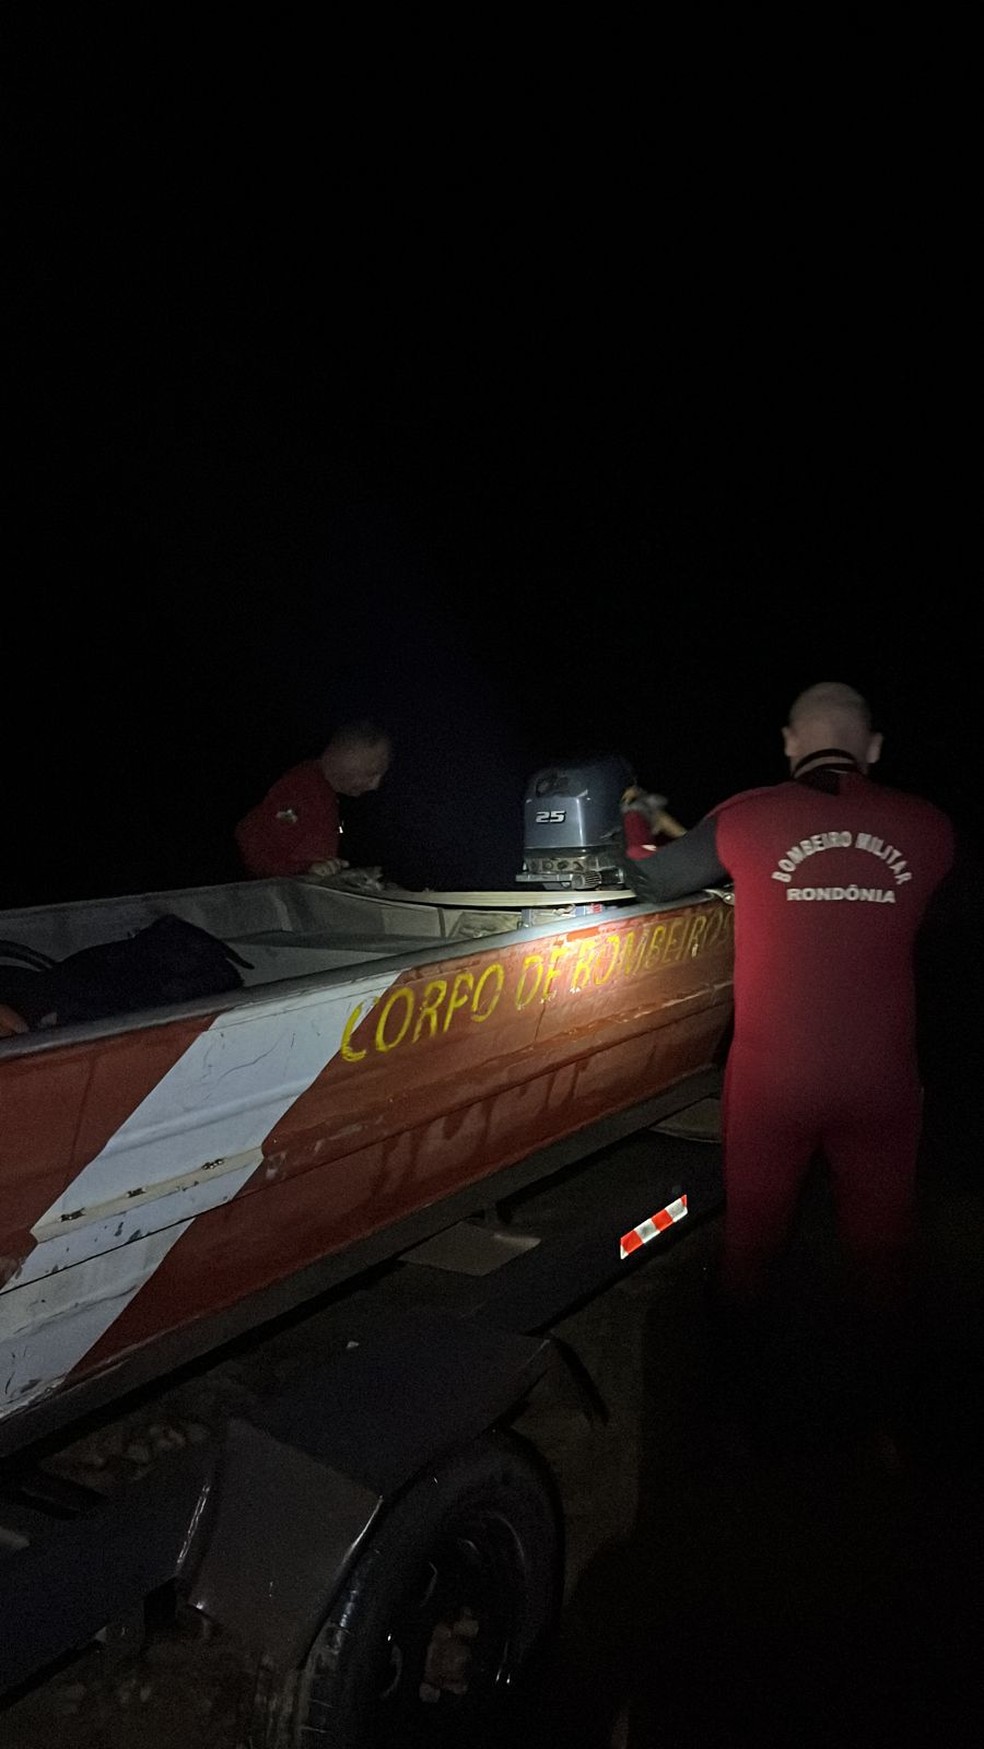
pixel 67 1294
pixel 197 1136
pixel 221 1098
pixel 64 1244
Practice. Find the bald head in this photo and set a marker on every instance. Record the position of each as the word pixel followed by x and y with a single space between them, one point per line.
pixel 357 758
pixel 831 715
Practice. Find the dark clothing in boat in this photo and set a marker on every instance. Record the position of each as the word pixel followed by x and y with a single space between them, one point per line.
pixel 169 961
pixel 833 875
pixel 297 823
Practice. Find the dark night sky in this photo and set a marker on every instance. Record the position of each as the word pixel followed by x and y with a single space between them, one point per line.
pixel 533 428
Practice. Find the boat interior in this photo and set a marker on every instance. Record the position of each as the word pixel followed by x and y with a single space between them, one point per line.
pixel 282 928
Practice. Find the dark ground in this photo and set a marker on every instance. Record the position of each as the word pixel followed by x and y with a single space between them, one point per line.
pixel 809 1598
pixel 805 1596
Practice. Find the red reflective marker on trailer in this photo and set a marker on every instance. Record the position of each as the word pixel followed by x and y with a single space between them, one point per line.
pixel 656 1224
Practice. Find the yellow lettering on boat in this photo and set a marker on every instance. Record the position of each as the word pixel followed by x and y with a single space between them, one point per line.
pixel 434 995
pixel 352 1022
pixel 697 929
pixel 406 1015
pixel 494 971
pixel 461 991
pixel 675 941
pixel 553 969
pixel 583 964
pixel 602 977
pixel 524 997
pixel 401 994
pixel 656 945
pixel 629 954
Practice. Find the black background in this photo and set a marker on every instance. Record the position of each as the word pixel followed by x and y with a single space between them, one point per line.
pixel 538 384
pixel 537 397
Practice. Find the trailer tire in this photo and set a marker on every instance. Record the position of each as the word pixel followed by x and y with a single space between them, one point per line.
pixel 478 1540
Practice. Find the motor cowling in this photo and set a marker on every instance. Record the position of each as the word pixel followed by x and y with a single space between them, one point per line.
pixel 572 824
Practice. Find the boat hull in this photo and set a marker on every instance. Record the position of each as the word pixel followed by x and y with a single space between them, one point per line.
pixel 162 1174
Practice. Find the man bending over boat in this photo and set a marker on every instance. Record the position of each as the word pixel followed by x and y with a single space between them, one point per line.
pixel 833 880
pixel 296 829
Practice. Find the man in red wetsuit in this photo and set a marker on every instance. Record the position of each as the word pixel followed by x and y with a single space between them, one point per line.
pixel 832 876
pixel 296 828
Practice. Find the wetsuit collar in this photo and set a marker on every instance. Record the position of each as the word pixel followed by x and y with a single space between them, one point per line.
pixel 825 759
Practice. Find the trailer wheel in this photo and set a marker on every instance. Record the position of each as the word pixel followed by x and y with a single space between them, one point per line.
pixel 443 1616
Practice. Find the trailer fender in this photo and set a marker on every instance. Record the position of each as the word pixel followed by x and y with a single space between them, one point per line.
pixel 299 1489
pixel 70 1577
pixel 435 1630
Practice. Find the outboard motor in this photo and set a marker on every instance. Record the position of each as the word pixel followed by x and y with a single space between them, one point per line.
pixel 572 819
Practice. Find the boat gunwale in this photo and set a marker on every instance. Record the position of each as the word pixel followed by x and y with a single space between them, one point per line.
pixel 433 949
